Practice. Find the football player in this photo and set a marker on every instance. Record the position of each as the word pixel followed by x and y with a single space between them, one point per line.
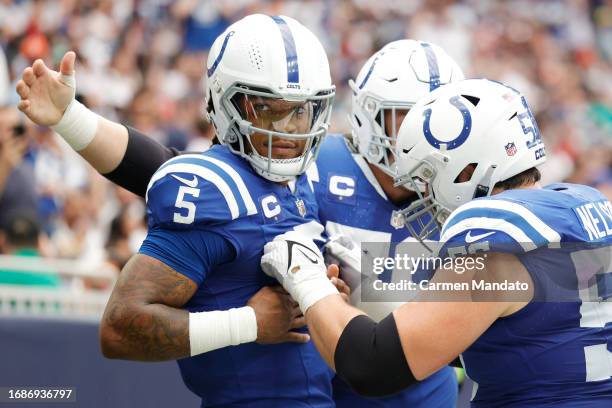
pixel 196 286
pixel 474 145
pixel 358 202
pixel 352 179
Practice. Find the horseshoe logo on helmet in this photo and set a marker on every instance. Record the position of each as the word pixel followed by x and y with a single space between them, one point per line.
pixel 465 130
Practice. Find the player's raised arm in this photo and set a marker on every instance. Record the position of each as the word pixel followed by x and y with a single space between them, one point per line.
pixel 122 154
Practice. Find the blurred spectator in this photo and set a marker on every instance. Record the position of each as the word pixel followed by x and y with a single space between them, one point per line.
pixel 76 234
pixel 204 21
pixel 17 188
pixel 22 238
pixel 203 139
pixel 127 232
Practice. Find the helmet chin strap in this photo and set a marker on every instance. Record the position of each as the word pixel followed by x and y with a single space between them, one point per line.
pixel 271 177
pixel 484 188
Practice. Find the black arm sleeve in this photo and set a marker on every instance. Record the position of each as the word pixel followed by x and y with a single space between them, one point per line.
pixel 142 158
pixel 370 358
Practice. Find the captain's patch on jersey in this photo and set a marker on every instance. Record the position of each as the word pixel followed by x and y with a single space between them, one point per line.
pixel 271 208
pixel 341 188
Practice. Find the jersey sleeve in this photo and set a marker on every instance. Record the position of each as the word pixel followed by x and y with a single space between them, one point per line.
pixel 495 225
pixel 192 253
pixel 196 190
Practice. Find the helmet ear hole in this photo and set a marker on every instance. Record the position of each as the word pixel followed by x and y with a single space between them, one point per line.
pixel 466 174
pixel 210 106
pixel 473 99
pixel 378 119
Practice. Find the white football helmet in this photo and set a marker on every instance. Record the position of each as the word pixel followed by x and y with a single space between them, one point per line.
pixel 269 76
pixel 475 122
pixel 393 80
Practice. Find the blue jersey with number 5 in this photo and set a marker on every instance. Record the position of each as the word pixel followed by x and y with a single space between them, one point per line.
pixel 556 351
pixel 202 204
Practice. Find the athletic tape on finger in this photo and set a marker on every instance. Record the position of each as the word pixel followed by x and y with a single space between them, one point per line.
pixel 68 80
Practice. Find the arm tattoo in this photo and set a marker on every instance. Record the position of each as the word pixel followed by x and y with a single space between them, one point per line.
pixel 142 320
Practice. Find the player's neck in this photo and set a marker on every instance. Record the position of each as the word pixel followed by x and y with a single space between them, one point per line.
pixel 397 195
pixel 535 185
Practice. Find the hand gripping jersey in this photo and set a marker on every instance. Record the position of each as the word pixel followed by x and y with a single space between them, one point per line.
pixel 351 202
pixel 194 196
pixel 556 351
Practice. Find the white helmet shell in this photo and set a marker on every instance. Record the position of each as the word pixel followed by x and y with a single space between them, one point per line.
pixel 394 79
pixel 271 57
pixel 475 122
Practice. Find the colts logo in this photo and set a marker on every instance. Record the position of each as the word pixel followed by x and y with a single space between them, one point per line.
pixel 465 130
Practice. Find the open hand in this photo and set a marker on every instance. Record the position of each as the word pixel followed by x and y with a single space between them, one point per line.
pixel 45 93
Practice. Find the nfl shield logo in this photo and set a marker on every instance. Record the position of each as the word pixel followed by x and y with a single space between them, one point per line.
pixel 510 149
pixel 301 207
pixel 397 220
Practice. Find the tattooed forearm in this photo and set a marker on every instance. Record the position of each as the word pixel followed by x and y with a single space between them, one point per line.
pixel 142 320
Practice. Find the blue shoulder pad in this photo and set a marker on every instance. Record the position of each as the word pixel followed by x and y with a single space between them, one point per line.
pixel 496 225
pixel 196 189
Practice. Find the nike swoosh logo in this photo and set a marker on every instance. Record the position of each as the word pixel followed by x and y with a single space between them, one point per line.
pixel 290 245
pixel 191 183
pixel 472 238
pixel 314 261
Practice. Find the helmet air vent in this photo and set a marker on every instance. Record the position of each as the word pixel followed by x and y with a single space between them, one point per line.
pixel 255 56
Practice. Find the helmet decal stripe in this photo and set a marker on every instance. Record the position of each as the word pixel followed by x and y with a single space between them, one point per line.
pixel 362 84
pixel 215 64
pixel 432 61
pixel 293 70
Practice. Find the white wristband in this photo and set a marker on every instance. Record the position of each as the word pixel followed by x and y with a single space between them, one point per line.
pixel 221 328
pixel 78 126
pixel 309 286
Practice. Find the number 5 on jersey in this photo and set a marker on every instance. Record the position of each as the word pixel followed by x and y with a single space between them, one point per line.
pixel 187 205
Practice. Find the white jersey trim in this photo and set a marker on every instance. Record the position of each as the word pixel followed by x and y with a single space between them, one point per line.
pixel 244 192
pixel 204 173
pixel 551 235
pixel 496 224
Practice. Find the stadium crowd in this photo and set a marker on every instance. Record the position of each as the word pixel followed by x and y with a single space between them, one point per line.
pixel 141 62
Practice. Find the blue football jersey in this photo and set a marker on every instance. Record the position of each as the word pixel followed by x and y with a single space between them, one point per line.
pixel 352 202
pixel 219 192
pixel 557 350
